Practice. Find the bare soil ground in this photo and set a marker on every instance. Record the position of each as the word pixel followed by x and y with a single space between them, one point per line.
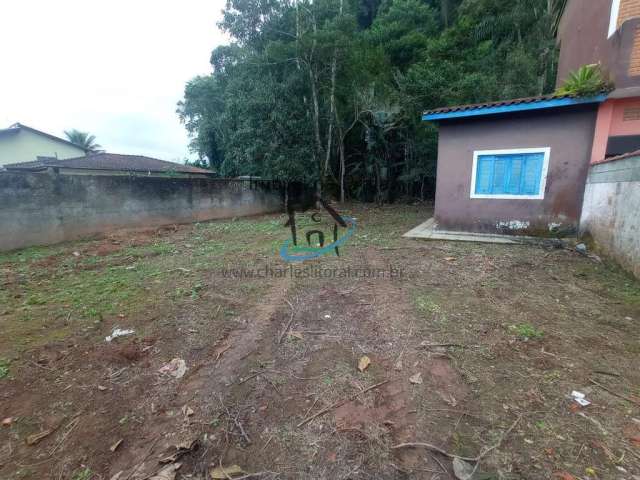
pixel 473 349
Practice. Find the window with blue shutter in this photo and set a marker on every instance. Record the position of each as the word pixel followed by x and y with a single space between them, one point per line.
pixel 517 174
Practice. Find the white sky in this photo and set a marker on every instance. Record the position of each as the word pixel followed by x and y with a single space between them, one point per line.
pixel 114 68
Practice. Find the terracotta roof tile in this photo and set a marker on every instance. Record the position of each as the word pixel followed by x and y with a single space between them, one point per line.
pixel 499 103
pixel 112 161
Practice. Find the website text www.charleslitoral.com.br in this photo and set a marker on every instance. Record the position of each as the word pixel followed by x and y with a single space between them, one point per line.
pixel 312 271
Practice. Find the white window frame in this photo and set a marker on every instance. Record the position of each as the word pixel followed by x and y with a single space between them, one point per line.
pixel 543 181
pixel 613 19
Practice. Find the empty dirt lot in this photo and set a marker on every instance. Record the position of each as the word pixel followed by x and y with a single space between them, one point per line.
pixel 473 349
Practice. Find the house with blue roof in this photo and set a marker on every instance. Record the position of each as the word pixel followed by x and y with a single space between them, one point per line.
pixel 519 167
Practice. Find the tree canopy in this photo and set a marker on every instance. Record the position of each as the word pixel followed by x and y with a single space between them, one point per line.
pixel 330 92
pixel 83 140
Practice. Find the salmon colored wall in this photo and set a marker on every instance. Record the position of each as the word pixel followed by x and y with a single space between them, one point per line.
pixel 611 122
pixel 626 126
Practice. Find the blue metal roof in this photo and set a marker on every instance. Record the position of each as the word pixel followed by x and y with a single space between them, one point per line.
pixel 509 106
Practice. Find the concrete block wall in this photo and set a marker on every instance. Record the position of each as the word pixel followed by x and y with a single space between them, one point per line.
pixel 611 210
pixel 47 208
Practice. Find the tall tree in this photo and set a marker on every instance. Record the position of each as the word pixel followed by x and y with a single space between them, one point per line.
pixel 331 91
pixel 83 140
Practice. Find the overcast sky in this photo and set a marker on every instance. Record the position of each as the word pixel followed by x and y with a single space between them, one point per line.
pixel 114 68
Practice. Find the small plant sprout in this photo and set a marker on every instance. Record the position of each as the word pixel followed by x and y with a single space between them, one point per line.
pixel 526 331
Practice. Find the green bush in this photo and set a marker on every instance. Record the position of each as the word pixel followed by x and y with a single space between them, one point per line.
pixel 526 331
pixel 587 80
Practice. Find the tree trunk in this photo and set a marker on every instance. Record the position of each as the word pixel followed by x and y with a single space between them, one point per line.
pixel 313 83
pixel 332 103
pixel 332 109
pixel 316 117
pixel 342 166
pixel 378 183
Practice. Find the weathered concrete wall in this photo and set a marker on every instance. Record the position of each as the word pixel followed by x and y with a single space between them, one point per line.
pixel 46 208
pixel 611 211
pixel 567 131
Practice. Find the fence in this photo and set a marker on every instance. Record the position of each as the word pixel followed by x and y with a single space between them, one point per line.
pixel 611 210
pixel 42 208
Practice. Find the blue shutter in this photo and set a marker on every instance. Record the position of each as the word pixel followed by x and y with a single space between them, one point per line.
pixel 484 173
pixel 500 174
pixel 509 174
pixel 515 175
pixel 532 174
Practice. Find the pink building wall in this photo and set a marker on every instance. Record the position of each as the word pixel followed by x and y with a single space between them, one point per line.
pixel 616 117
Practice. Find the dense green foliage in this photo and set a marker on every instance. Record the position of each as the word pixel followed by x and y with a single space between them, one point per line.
pixel 330 91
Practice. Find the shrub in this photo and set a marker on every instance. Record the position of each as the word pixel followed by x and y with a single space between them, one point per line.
pixel 587 80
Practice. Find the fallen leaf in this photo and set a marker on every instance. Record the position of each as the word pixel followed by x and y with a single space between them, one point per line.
pixel 183 447
pixel 225 472
pixel 635 441
pixel 7 422
pixel 450 259
pixel 462 470
pixel 448 398
pixel 220 350
pixel 102 388
pixel 115 446
pixel 297 335
pixel 332 457
pixel 36 437
pixel 176 368
pixel 117 475
pixel 167 473
pixel 364 363
pixel 187 411
pixel 564 476
pixel 416 379
pixel 188 444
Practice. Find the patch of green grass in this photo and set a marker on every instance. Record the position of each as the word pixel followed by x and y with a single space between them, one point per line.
pixel 153 249
pixel 30 254
pixel 426 306
pixel 618 283
pixel 243 226
pixel 4 368
pixel 83 473
pixel 526 331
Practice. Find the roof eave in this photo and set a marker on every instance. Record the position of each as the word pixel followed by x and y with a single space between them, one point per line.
pixel 19 126
pixel 521 107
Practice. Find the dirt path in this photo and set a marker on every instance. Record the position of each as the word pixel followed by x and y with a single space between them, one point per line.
pixel 201 389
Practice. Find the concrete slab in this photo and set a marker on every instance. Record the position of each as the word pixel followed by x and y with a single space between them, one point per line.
pixel 429 231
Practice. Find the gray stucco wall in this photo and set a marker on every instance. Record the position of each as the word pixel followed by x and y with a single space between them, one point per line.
pixel 46 208
pixel 567 131
pixel 611 211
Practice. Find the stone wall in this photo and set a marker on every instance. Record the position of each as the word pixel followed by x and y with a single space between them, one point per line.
pixel 611 210
pixel 46 208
